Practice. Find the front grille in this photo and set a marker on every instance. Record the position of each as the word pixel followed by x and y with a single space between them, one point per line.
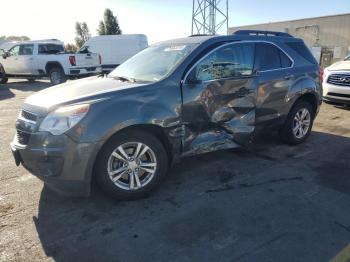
pixel 339 79
pixel 28 115
pixel 339 95
pixel 23 137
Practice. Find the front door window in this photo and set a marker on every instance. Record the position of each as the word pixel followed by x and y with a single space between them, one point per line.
pixel 234 60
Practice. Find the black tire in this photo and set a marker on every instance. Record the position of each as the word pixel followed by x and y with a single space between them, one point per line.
pixel 3 78
pixel 286 132
pixel 31 80
pixel 57 76
pixel 101 173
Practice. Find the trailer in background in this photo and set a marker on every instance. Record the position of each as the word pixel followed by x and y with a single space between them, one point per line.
pixel 115 49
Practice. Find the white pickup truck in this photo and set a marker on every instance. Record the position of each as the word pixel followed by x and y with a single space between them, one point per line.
pixel 46 58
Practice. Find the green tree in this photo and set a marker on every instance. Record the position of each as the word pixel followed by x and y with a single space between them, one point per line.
pixel 15 38
pixel 101 30
pixel 109 25
pixel 82 34
pixel 71 48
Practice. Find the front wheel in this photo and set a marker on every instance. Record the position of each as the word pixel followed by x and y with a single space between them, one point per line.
pixel 31 80
pixel 298 124
pixel 131 165
pixel 57 76
pixel 3 78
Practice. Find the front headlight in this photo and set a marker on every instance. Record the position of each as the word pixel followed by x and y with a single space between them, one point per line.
pixel 63 118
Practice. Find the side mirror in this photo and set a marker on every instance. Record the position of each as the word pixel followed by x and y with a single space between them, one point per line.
pixel 193 81
pixel 5 55
pixel 256 72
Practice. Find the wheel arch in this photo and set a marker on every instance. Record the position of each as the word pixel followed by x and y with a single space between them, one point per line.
pixel 2 68
pixel 307 89
pixel 311 98
pixel 52 64
pixel 155 130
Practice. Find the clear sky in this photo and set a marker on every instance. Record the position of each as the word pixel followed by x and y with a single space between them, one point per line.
pixel 158 19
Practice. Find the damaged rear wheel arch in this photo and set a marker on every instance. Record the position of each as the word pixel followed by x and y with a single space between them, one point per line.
pixel 309 98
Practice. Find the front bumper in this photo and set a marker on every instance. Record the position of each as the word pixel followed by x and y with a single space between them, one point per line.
pixel 63 164
pixel 336 94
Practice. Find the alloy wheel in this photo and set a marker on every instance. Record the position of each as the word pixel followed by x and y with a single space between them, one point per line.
pixel 56 77
pixel 301 123
pixel 132 165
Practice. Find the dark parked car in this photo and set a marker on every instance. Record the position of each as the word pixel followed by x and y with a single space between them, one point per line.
pixel 176 98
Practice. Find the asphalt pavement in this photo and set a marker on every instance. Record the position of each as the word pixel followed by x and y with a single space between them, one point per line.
pixel 267 202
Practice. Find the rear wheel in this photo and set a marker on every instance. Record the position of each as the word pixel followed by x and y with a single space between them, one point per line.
pixel 298 124
pixel 131 165
pixel 57 76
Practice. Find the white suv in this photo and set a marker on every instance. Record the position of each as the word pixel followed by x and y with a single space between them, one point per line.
pixel 46 58
pixel 336 83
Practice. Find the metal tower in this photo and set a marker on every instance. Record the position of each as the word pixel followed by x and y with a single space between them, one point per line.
pixel 208 16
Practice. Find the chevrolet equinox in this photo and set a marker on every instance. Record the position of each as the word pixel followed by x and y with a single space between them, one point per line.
pixel 176 98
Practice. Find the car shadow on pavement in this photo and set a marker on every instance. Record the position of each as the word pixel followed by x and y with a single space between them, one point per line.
pixel 257 203
pixel 5 93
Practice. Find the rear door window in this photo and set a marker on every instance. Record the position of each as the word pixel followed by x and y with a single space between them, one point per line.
pixel 270 57
pixel 267 57
pixel 50 49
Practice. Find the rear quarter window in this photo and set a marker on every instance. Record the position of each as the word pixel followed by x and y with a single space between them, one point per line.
pixel 50 49
pixel 302 50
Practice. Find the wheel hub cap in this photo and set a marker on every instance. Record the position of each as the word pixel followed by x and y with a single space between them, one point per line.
pixel 133 165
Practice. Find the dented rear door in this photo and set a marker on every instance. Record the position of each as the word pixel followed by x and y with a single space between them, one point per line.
pixel 219 98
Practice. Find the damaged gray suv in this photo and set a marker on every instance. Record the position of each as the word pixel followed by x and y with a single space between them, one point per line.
pixel 176 98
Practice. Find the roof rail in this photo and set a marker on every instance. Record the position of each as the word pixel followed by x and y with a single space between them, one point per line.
pixel 261 32
pixel 199 35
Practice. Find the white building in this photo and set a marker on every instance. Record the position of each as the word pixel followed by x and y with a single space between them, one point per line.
pixel 328 37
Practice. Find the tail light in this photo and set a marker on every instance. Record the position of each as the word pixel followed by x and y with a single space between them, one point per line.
pixel 321 74
pixel 72 60
pixel 100 59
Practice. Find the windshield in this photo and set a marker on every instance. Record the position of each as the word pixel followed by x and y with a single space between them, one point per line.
pixel 347 58
pixel 154 63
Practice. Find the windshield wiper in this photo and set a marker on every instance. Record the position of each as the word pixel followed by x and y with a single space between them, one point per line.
pixel 125 79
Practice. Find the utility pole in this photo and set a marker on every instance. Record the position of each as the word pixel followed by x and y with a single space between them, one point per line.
pixel 208 16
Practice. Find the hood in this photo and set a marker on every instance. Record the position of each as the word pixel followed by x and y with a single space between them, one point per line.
pixel 342 65
pixel 78 89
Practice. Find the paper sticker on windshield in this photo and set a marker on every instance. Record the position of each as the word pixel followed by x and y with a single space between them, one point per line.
pixel 175 48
